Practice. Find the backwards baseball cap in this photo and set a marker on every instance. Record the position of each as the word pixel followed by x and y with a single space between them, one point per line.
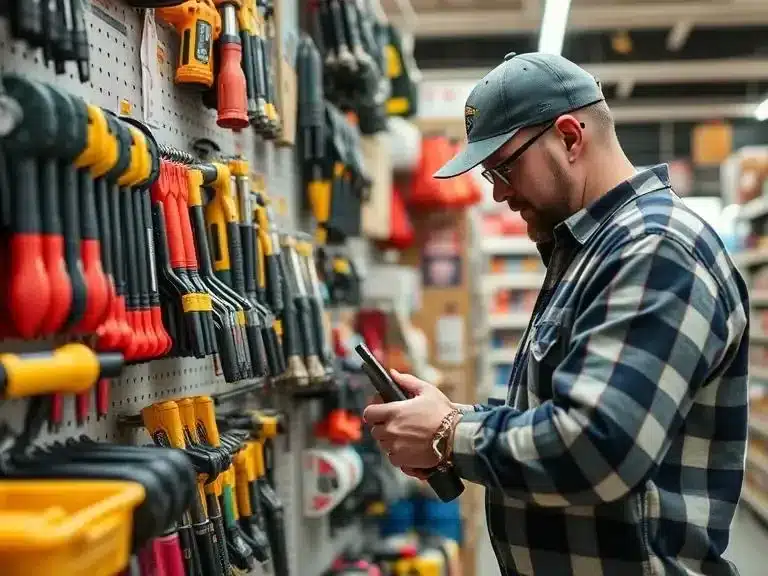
pixel 524 90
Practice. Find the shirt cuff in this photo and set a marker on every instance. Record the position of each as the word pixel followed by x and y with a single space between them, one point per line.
pixel 465 461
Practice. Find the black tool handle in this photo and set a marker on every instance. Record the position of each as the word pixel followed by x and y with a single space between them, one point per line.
pixel 105 224
pixel 214 515
pixel 142 255
pixel 247 237
pixel 236 258
pixel 129 249
pixel 446 483
pixel 274 518
pixel 305 325
pixel 118 241
pixel 69 197
pixel 206 548
pixel 248 65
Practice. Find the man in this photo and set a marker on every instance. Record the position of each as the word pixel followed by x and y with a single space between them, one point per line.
pixel 620 449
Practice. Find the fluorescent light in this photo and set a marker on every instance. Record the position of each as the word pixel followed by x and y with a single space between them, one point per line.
pixel 553 26
pixel 761 112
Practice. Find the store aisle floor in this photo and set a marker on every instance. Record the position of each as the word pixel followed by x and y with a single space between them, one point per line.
pixel 749 542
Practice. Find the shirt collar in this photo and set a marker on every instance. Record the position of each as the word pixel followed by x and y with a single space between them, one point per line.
pixel 584 223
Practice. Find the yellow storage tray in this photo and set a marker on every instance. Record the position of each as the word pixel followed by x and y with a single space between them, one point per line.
pixel 66 528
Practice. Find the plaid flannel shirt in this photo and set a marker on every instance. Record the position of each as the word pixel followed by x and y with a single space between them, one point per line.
pixel 620 449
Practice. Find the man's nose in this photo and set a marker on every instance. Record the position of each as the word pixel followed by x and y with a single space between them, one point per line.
pixel 501 191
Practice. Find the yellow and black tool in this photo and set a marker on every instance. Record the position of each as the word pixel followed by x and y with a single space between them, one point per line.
pixel 211 485
pixel 278 291
pixel 249 38
pixel 320 325
pixel 241 555
pixel 265 11
pixel 198 24
pixel 221 218
pixel 305 321
pixel 163 422
pixel 248 240
pixel 72 368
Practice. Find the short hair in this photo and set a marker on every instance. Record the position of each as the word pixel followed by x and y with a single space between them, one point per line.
pixel 602 117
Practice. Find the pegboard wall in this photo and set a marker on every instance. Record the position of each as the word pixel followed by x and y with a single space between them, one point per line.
pixel 177 117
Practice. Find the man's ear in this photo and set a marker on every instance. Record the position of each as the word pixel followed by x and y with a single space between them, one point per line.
pixel 571 133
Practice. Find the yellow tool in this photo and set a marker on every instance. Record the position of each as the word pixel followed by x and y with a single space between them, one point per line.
pixel 198 23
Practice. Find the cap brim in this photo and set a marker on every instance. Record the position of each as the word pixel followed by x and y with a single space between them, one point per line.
pixel 473 154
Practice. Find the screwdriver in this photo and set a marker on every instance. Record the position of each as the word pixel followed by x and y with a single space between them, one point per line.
pixel 163 421
pixel 303 310
pixel 28 289
pixel 224 233
pixel 266 9
pixel 232 97
pixel 212 486
pixel 247 20
pixel 240 554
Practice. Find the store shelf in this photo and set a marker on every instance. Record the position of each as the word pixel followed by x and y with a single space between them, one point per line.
pixel 508 246
pixel 757 501
pixel 757 461
pixel 754 208
pixel 758 373
pixel 753 257
pixel 518 320
pixel 512 281
pixel 759 298
pixel 502 356
pixel 759 426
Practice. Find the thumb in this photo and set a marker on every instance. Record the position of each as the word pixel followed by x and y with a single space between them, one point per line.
pixel 411 385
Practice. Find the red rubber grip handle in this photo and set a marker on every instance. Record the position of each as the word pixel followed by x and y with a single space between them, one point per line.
pixel 60 283
pixel 232 89
pixel 82 407
pixel 164 338
pixel 172 221
pixel 102 398
pixel 186 222
pixel 29 292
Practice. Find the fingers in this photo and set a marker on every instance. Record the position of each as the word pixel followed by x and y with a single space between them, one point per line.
pixel 415 473
pixel 411 385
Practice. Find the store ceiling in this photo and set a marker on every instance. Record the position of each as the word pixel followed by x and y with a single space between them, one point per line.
pixel 644 51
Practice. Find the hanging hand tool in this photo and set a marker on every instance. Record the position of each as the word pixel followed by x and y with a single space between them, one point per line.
pixel 70 201
pixel 224 233
pixel 212 484
pixel 246 21
pixel 137 173
pixel 80 42
pixel 305 323
pixel 163 422
pixel 321 329
pixel 264 427
pixel 71 368
pixel 231 333
pixel 50 195
pixel 279 292
pixel 248 240
pixel 180 193
pixel 191 306
pixel 240 554
pixel 266 11
pixel 99 286
pixel 198 24
pixel 28 290
pixel 231 89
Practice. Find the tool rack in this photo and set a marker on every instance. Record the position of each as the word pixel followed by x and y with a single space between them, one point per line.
pixel 115 35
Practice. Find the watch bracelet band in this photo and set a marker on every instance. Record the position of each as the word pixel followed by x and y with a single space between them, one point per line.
pixel 443 430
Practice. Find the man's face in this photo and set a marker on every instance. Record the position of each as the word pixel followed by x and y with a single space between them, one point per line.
pixel 541 186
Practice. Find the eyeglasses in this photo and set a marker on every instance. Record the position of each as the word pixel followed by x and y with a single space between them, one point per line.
pixel 501 169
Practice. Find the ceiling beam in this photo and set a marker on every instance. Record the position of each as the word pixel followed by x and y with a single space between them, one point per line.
pixel 454 23
pixel 662 72
pixel 678 36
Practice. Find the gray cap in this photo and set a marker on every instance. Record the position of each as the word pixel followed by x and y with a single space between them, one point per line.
pixel 524 90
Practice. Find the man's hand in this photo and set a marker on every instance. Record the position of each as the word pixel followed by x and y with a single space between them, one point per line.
pixel 405 429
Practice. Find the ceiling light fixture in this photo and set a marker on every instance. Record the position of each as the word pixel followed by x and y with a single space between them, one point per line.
pixel 761 112
pixel 553 24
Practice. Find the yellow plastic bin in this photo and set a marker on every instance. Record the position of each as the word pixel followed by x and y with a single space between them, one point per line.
pixel 66 528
